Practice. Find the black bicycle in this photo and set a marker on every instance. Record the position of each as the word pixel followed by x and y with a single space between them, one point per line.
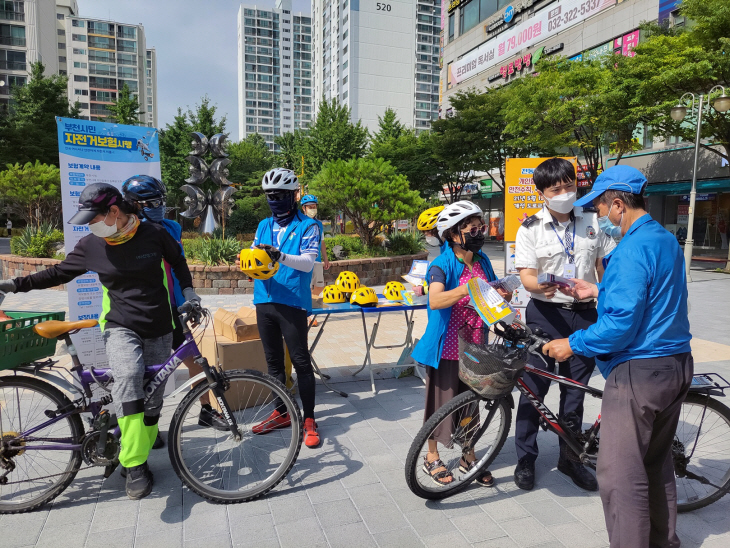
pixel 480 420
pixel 43 441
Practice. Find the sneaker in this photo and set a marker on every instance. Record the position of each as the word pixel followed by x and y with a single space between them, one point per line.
pixel 525 474
pixel 274 421
pixel 159 442
pixel 210 418
pixel 139 481
pixel 311 437
pixel 578 473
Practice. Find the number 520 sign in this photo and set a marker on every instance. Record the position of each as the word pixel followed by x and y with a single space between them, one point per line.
pixel 382 7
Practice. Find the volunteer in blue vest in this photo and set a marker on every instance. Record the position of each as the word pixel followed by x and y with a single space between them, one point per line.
pixel 309 205
pixel 641 343
pixel 460 225
pixel 284 301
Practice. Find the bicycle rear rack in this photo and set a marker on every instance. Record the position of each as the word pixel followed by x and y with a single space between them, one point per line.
pixel 712 383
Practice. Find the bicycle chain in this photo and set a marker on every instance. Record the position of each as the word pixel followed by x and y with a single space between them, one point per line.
pixel 50 476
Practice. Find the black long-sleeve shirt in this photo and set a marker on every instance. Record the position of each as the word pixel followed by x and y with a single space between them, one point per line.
pixel 132 275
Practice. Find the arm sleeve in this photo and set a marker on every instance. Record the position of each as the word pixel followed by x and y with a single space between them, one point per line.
pixel 303 262
pixel 73 266
pixel 310 241
pixel 172 253
pixel 435 274
pixel 525 256
pixel 625 286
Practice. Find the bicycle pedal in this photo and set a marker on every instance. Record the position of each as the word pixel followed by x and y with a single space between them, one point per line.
pixel 109 469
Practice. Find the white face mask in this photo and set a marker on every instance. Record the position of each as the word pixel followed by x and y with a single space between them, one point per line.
pixel 562 203
pixel 103 230
pixel 433 241
pixel 311 212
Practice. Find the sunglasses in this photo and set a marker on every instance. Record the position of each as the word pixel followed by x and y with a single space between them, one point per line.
pixel 476 231
pixel 277 195
pixel 152 204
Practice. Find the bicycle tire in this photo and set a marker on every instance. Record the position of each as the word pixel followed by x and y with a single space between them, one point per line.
pixel 222 496
pixel 414 459
pixel 55 400
pixel 699 496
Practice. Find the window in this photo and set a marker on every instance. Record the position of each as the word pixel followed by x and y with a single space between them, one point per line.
pixel 78 37
pixel 344 80
pixel 62 45
pixel 344 35
pixel 84 105
pixel 77 64
pixel 59 16
pixel 78 51
pixel 451 26
pixel 61 32
pixel 80 78
pixel 61 59
pixel 149 108
pixel 81 91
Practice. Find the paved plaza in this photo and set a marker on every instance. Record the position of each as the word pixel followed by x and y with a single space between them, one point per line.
pixel 351 491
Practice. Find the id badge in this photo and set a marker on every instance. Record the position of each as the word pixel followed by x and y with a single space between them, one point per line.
pixel 569 271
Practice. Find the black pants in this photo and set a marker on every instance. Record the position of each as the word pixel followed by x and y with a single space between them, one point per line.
pixel 640 410
pixel 274 321
pixel 558 323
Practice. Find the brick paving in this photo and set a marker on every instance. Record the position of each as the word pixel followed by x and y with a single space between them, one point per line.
pixel 351 491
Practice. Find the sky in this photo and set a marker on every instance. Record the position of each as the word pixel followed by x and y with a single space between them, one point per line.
pixel 197 49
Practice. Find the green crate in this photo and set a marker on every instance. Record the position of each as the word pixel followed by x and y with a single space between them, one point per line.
pixel 19 343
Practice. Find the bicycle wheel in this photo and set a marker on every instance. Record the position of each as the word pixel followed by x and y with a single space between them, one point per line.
pixel 39 475
pixel 455 426
pixel 702 445
pixel 221 469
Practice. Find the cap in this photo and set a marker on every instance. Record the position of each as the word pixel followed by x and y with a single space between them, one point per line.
pixel 623 178
pixel 94 199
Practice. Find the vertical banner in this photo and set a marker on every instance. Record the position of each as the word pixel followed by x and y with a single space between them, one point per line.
pixel 97 152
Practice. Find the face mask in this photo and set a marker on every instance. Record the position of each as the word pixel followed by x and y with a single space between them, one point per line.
pixel 562 203
pixel 103 230
pixel 154 214
pixel 605 224
pixel 472 243
pixel 283 210
pixel 311 212
pixel 433 241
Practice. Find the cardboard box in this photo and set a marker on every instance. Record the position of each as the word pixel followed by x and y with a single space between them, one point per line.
pixel 238 355
pixel 238 327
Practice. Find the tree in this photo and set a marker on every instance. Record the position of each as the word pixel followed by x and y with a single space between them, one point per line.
pixel 32 191
pixel 291 149
pixel 28 132
pixel 250 159
pixel 389 127
pixel 368 191
pixel 125 109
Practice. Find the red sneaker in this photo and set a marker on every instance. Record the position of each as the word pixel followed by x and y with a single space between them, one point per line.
pixel 274 421
pixel 311 437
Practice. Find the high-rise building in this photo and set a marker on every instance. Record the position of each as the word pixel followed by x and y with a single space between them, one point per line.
pixel 29 33
pixel 102 56
pixel 274 71
pixel 151 83
pixel 375 55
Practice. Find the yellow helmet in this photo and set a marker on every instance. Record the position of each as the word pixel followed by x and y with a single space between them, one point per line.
pixel 333 294
pixel 347 281
pixel 393 291
pixel 427 219
pixel 363 296
pixel 257 264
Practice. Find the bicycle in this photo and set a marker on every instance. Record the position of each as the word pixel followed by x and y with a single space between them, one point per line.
pixel 43 442
pixel 701 448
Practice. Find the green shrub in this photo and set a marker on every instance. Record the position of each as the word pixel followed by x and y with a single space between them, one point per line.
pixel 405 243
pixel 212 251
pixel 352 247
pixel 36 241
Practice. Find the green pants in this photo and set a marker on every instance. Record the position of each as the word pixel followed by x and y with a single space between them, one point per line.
pixel 137 439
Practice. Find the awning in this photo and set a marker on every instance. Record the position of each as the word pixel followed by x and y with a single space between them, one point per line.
pixel 685 187
pixel 488 195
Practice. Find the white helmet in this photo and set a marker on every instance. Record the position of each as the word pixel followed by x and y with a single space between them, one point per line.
pixel 453 213
pixel 280 179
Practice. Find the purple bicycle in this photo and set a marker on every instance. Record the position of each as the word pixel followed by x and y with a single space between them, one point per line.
pixel 43 441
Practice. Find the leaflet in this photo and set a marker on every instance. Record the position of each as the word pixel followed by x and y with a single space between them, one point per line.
pixel 491 307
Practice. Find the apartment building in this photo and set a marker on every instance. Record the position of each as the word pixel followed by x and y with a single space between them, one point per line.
pixel 375 55
pixel 274 71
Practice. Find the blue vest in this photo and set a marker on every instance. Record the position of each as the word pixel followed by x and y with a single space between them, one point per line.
pixel 429 348
pixel 289 286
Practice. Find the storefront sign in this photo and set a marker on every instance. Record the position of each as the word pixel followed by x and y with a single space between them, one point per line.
pixel 600 51
pixel 455 4
pixel 508 15
pixel 520 197
pixel 516 65
pixel 627 43
pixel 683 215
pixel 698 198
pixel 546 23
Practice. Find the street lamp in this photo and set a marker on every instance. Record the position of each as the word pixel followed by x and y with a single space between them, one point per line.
pixel 720 104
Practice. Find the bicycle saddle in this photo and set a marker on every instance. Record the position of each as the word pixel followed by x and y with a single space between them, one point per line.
pixel 55 328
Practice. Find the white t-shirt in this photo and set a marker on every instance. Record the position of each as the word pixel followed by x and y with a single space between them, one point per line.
pixel 538 245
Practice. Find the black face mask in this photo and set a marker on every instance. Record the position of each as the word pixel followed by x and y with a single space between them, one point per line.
pixel 472 243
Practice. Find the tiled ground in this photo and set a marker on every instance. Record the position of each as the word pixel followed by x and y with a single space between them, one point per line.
pixel 351 491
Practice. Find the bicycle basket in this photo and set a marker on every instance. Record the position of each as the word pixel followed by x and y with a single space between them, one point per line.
pixel 490 370
pixel 19 343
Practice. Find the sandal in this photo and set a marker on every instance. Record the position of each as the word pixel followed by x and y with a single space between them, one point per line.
pixel 485 479
pixel 437 477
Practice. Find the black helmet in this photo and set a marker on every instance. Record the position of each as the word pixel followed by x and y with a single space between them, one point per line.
pixel 94 199
pixel 142 188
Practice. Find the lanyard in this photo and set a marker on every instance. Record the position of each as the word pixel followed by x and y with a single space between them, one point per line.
pixel 568 252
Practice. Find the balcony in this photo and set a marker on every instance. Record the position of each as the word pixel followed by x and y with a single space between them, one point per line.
pixel 127 49
pixel 102 72
pixel 12 15
pixel 12 41
pixel 13 65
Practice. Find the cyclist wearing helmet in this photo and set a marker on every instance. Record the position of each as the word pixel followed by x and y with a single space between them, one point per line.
pixel 136 320
pixel 148 196
pixel 427 224
pixel 309 207
pixel 284 301
pixel 462 227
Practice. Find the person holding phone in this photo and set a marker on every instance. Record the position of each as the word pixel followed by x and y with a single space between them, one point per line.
pixel 566 241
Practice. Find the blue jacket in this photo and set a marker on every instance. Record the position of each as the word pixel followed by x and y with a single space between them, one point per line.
pixel 642 301
pixel 321 235
pixel 175 230
pixel 288 286
pixel 429 348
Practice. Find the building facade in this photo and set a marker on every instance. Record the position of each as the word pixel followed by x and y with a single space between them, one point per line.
pixel 373 55
pixel 151 84
pixel 274 71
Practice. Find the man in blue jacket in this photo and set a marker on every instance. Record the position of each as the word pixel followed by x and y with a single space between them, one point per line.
pixel 641 344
